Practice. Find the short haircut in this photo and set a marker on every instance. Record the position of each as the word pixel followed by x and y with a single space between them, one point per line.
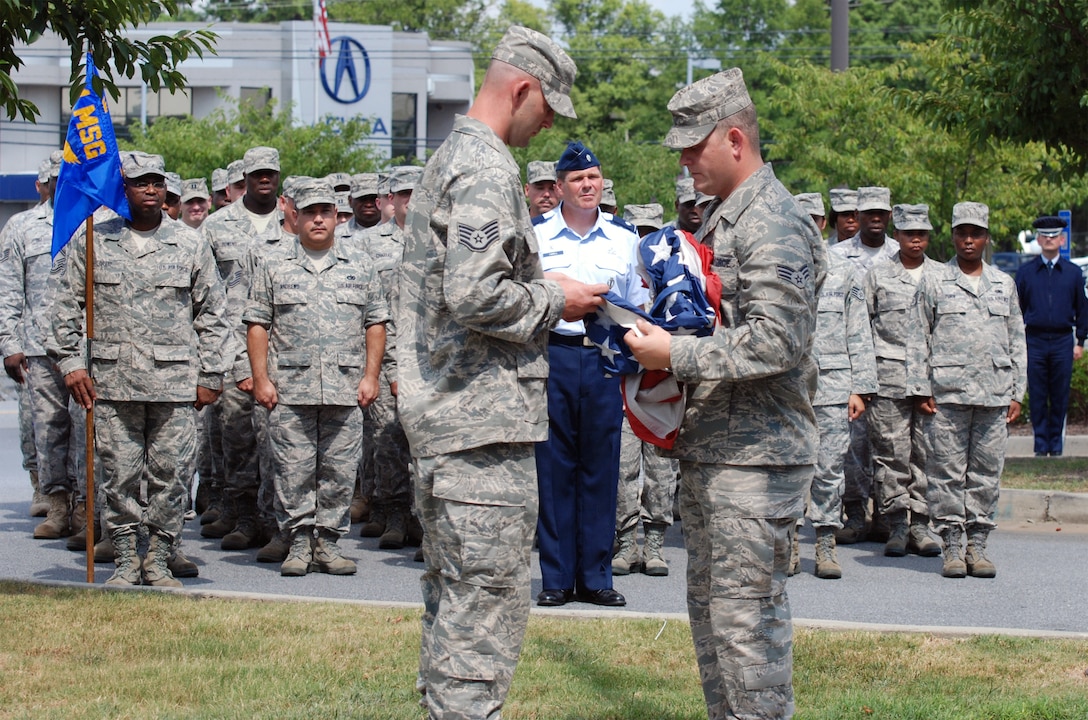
pixel 744 120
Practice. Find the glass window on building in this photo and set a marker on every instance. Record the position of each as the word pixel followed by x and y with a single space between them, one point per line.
pixel 404 127
pixel 128 108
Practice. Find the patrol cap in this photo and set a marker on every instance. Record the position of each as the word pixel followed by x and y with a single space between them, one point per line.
pixel 343 203
pixel 309 191
pixel 293 183
pixel 404 177
pixel 576 157
pixel 685 190
pixel 697 108
pixel 219 180
pixel 608 194
pixel 812 203
pixel 701 198
pixel 1049 225
pixel 194 188
pixel 649 215
pixel 911 217
pixel 843 199
pixel 261 158
pixel 874 198
pixel 236 172
pixel 364 184
pixel 339 180
pixel 971 213
pixel 541 57
pixel 136 164
pixel 540 171
pixel 173 184
pixel 383 183
pixel 45 171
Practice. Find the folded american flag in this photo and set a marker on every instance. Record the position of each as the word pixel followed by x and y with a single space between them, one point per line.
pixel 686 294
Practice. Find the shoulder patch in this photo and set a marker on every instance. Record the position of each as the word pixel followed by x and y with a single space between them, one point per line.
pixel 795 276
pixel 623 224
pixel 857 293
pixel 5 254
pixel 59 263
pixel 478 239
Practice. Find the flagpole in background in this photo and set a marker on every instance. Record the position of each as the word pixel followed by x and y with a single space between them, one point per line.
pixel 89 505
pixel 324 47
pixel 90 177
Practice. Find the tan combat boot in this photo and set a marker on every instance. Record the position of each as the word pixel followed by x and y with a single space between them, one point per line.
pixel 396 531
pixel 827 561
pixel 954 565
pixel 854 529
pixel 128 570
pixel 375 525
pixel 39 506
pixel 104 551
pixel 654 565
pixel 300 555
pixel 55 524
pixel 77 541
pixel 898 535
pixel 179 564
pixel 276 549
pixel 156 570
pixel 978 565
pixel 627 558
pixel 919 541
pixel 359 508
pixel 329 559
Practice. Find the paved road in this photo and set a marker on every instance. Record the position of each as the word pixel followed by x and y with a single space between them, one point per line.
pixel 1040 586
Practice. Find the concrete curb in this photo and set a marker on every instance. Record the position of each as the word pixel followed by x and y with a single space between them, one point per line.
pixel 570 613
pixel 1041 507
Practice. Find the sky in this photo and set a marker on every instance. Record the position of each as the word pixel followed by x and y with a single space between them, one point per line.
pixel 683 8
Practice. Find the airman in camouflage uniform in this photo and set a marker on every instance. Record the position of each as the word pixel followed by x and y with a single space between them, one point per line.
pixel 749 440
pixel 966 367
pixel 896 428
pixel 159 336
pixel 316 336
pixel 390 500
pixel 38 505
pixel 867 248
pixel 25 321
pixel 230 232
pixel 472 317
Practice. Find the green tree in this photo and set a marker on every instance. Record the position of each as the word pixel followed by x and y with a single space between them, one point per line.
pixel 249 11
pixel 1012 69
pixel 464 20
pixel 193 148
pixel 98 26
pixel 845 129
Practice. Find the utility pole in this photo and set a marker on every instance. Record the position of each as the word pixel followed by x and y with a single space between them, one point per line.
pixel 840 35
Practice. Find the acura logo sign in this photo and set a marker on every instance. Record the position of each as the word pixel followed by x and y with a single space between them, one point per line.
pixel 350 76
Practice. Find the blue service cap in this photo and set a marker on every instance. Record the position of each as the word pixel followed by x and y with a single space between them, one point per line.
pixel 1049 225
pixel 576 157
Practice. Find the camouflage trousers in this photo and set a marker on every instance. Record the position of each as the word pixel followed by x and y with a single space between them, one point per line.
pixel 859 462
pixel 479 510
pixel 152 443
pixel 269 508
pixel 315 451
pixel 647 483
pixel 737 523
pixel 209 452
pixel 966 456
pixel 26 429
pixel 388 451
pixel 60 430
pixel 825 506
pixel 239 438
pixel 898 438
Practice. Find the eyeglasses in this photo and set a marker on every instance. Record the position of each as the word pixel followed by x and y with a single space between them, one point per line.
pixel 143 184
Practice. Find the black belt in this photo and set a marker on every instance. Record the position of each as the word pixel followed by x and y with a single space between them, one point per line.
pixel 555 338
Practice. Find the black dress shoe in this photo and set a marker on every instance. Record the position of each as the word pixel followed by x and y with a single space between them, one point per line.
pixel 605 596
pixel 553 598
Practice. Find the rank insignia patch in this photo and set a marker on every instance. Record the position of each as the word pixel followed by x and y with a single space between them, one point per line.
pixel 478 239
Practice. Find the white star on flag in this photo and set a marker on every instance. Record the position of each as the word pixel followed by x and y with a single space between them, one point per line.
pixel 662 250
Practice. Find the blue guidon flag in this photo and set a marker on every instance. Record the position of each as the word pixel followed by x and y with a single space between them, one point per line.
pixel 90 175
pixel 686 294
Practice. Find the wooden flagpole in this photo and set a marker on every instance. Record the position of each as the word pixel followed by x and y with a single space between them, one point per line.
pixel 89 296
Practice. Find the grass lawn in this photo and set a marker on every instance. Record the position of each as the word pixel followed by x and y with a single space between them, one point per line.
pixel 89 654
pixel 1062 474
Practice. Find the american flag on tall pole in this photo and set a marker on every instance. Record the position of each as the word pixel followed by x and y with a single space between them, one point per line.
pixel 321 25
